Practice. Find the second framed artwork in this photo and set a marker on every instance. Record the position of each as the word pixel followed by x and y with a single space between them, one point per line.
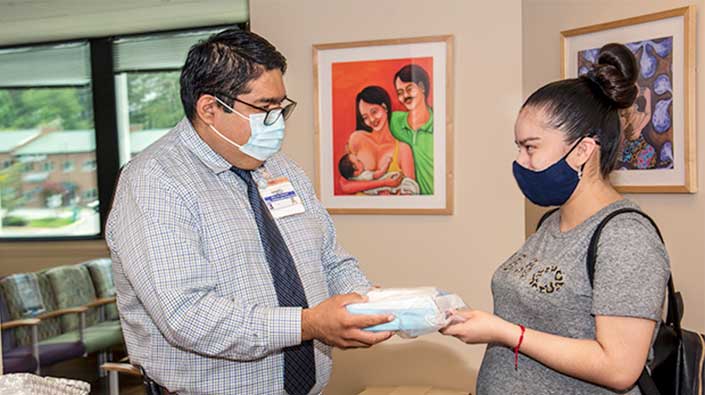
pixel 384 143
pixel 657 153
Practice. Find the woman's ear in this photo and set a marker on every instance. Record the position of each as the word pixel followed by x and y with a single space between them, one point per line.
pixel 584 151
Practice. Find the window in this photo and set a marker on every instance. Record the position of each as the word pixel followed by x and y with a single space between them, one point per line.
pixel 68 106
pixel 68 166
pixel 89 165
pixel 46 114
pixel 147 70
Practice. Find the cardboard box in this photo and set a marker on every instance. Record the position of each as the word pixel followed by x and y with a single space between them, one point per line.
pixel 407 390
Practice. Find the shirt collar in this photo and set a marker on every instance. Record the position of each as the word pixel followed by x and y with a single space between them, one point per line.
pixel 426 127
pixel 203 151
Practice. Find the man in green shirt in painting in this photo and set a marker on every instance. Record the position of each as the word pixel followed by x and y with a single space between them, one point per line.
pixel 415 127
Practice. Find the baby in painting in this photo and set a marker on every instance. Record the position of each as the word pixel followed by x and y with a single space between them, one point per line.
pixel 354 169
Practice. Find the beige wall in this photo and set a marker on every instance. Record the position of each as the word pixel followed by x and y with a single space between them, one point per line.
pixel 681 217
pixel 458 252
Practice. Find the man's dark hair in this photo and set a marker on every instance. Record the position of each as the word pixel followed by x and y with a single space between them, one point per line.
pixel 224 65
pixel 416 74
pixel 372 95
pixel 346 167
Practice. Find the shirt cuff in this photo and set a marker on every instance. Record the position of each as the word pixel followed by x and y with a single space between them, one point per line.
pixel 286 327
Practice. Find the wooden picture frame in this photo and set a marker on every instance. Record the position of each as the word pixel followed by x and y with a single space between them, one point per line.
pixel 658 152
pixel 383 118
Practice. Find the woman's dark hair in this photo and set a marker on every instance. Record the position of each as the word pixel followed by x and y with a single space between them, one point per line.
pixel 224 64
pixel 372 95
pixel 641 104
pixel 589 105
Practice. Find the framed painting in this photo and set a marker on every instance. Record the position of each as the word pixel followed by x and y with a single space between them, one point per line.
pixel 657 153
pixel 384 143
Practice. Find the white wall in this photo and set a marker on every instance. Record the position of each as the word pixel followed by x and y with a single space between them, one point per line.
pixel 681 217
pixel 458 252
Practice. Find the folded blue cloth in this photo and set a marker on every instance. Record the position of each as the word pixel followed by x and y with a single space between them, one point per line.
pixel 416 311
pixel 409 320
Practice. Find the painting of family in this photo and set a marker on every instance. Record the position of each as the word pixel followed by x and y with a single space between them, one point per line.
pixel 383 131
pixel 383 122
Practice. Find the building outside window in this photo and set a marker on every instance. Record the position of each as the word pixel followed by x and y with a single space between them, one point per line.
pixel 68 166
pixel 46 118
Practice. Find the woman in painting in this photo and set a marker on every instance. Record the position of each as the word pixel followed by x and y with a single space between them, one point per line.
pixel 637 153
pixel 555 328
pixel 375 160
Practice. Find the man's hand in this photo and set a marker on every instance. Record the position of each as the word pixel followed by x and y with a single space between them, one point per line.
pixel 332 324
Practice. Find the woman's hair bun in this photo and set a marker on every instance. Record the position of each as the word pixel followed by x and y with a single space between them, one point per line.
pixel 616 72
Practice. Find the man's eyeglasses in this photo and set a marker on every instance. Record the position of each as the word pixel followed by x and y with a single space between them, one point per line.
pixel 272 115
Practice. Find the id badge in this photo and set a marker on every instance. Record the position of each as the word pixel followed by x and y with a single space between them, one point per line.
pixel 280 198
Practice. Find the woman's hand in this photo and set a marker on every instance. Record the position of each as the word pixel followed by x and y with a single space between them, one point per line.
pixel 394 180
pixel 481 327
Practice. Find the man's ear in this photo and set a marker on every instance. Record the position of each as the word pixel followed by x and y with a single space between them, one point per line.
pixel 206 106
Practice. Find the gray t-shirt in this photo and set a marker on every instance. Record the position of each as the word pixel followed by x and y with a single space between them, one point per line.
pixel 544 286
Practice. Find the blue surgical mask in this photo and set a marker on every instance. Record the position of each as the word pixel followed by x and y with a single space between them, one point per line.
pixel 264 141
pixel 552 186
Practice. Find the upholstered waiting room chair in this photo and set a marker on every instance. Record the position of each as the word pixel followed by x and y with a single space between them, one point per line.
pixel 101 271
pixel 12 360
pixel 72 286
pixel 24 355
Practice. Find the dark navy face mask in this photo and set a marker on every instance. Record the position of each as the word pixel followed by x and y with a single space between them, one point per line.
pixel 552 186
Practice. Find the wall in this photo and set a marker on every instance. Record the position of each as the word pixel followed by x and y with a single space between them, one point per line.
pixel 40 21
pixel 458 252
pixel 681 217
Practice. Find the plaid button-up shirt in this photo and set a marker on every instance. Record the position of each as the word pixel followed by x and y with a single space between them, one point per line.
pixel 197 303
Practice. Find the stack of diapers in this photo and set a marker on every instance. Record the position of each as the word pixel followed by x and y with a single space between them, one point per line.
pixel 417 311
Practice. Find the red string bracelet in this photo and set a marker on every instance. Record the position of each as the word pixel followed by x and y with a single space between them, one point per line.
pixel 516 349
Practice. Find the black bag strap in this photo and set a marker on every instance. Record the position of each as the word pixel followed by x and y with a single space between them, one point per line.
pixel 646 384
pixel 545 216
pixel 675 305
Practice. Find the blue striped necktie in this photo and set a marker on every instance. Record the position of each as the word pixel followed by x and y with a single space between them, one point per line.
pixel 299 361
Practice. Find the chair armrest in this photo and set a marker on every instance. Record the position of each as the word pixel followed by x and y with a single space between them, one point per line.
pixel 101 302
pixel 19 323
pixel 121 368
pixel 60 312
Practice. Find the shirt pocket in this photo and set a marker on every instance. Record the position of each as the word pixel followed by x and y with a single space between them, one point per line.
pixel 304 236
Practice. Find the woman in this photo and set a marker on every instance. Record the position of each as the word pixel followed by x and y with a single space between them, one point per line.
pixel 637 153
pixel 569 337
pixel 372 147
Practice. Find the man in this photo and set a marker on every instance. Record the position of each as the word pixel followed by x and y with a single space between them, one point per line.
pixel 219 293
pixel 415 127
